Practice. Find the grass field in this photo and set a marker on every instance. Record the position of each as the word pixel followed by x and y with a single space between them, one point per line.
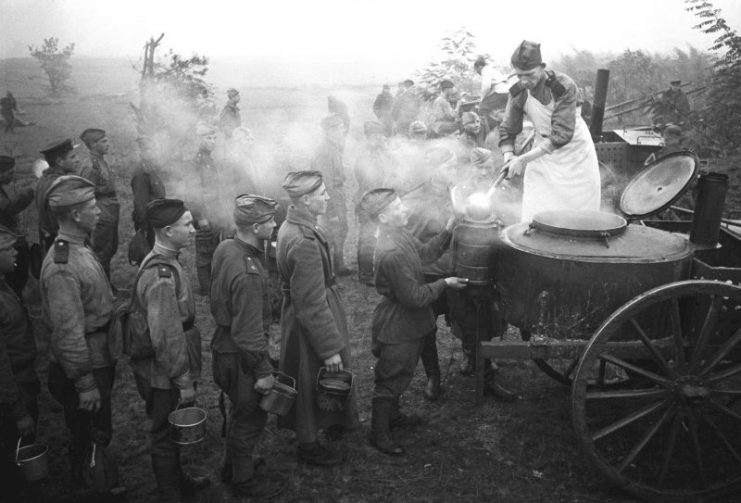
pixel 520 452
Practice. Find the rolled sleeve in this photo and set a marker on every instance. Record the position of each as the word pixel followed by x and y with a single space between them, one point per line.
pixel 511 124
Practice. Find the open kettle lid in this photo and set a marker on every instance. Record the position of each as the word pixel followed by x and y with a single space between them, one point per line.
pixel 659 184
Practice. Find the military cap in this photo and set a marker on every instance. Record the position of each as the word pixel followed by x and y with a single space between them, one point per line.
pixel 298 183
pixel 408 82
pixel 480 62
pixel 7 238
pixel 58 147
pixel 205 129
pixel 374 201
pixel 480 156
pixel 417 127
pixel 373 127
pixel 469 118
pixel 438 156
pixel 331 120
pixel 164 212
pixel 6 163
pixel 673 130
pixel 254 209
pixel 91 135
pixel 675 82
pixel 69 190
pixel 231 92
pixel 527 56
pixel 446 84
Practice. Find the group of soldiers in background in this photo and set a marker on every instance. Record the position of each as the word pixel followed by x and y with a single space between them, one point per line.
pixel 404 215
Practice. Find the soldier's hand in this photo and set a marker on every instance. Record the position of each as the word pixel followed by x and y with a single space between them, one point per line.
pixel 334 363
pixel 508 156
pixel 25 426
pixel 90 400
pixel 264 384
pixel 187 395
pixel 456 283
pixel 515 168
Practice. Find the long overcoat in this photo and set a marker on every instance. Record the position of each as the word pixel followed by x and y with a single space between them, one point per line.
pixel 313 322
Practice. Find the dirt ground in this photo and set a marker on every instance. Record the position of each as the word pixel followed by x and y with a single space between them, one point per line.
pixel 519 452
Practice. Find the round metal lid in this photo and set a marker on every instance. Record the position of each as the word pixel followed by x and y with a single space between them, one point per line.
pixel 660 184
pixel 594 224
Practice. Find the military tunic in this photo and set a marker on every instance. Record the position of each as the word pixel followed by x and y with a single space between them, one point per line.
pixel 313 322
pixel 13 203
pixel 240 305
pixel 78 305
pixel 404 316
pixel 105 235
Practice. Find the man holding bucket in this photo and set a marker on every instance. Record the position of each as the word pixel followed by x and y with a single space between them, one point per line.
pixel 240 304
pixel 166 376
pixel 313 325
pixel 404 317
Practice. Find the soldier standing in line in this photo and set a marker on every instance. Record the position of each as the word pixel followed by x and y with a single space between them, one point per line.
pixel 230 118
pixel 167 373
pixel 328 160
pixel 146 186
pixel 208 233
pixel 105 235
pixel 382 108
pixel 63 160
pixel 78 306
pixel 12 203
pixel 19 384
pixel 404 316
pixel 313 324
pixel 240 304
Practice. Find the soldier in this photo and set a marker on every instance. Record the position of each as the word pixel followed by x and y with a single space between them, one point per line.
pixel 12 203
pixel 63 160
pixel 471 137
pixel 78 306
pixel 166 375
pixel 240 304
pixel 313 324
pixel 406 107
pixel 208 233
pixel 328 160
pixel 382 108
pixel 105 235
pixel 337 106
pixel 19 384
pixel 146 186
pixel 445 116
pixel 230 118
pixel 674 107
pixel 404 316
pixel 374 167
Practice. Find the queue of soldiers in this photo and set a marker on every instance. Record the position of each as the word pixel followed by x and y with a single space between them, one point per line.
pixel 404 234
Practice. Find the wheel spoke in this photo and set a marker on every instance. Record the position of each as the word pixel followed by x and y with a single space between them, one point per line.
pixel 722 352
pixel 724 410
pixel 644 440
pixel 708 327
pixel 723 438
pixel 570 370
pixel 725 374
pixel 637 370
pixel 654 352
pixel 697 448
pixel 679 342
pixel 629 419
pixel 627 393
pixel 669 450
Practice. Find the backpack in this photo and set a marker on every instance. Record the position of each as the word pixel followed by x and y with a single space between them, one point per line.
pixel 135 339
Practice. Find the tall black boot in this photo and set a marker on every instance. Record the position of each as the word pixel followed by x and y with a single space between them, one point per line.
pixel 167 473
pixel 380 435
pixel 431 364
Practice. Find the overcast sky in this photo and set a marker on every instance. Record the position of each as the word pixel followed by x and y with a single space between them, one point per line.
pixel 381 39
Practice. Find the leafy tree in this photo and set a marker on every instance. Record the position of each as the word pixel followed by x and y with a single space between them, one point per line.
pixel 458 53
pixel 55 63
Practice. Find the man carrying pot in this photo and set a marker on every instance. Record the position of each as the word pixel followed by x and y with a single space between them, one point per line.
pixel 19 384
pixel 561 171
pixel 240 304
pixel 78 307
pixel 313 324
pixel 404 316
pixel 166 375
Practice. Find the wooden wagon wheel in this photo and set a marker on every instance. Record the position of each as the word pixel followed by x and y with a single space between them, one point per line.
pixel 673 431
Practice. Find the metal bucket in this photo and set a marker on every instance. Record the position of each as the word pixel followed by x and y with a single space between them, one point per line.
pixel 280 398
pixel 32 461
pixel 475 247
pixel 333 388
pixel 187 425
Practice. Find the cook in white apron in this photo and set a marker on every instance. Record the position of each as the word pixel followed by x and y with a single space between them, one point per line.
pixel 565 179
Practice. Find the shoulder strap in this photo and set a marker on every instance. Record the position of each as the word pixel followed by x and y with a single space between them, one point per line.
pixel 165 271
pixel 61 251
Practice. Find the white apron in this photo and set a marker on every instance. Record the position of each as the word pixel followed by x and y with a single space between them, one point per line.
pixel 568 178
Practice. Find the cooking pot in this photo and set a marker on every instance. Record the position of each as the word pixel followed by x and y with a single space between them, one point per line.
pixel 187 425
pixel 333 389
pixel 32 461
pixel 281 396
